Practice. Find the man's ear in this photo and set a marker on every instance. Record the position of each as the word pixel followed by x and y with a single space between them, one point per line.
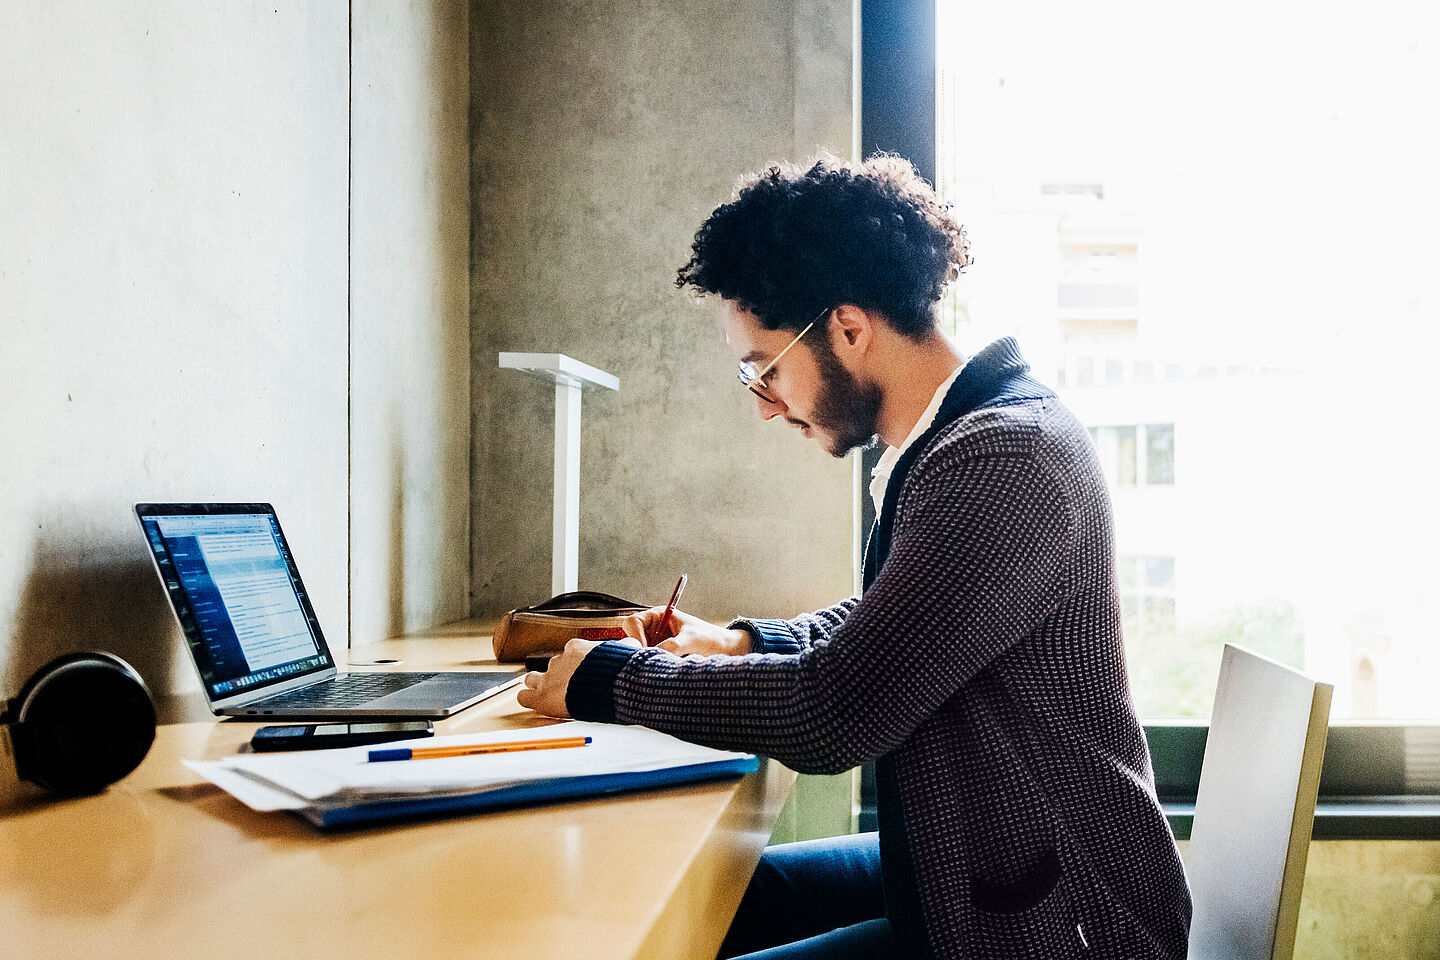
pixel 852 330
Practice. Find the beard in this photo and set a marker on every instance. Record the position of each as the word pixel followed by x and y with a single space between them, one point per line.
pixel 846 410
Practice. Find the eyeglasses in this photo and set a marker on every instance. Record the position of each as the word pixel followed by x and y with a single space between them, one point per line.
pixel 754 380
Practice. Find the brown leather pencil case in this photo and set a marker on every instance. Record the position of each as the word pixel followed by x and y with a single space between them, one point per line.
pixel 545 627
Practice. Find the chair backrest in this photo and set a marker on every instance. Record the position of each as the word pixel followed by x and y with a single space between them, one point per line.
pixel 1255 808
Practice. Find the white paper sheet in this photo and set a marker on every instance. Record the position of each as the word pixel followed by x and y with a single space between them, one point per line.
pixel 256 795
pixel 323 778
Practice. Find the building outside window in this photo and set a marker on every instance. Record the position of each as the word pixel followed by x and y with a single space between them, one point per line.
pixel 1119 449
pixel 1228 276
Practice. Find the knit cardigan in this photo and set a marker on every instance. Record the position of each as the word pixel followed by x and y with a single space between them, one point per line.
pixel 983 668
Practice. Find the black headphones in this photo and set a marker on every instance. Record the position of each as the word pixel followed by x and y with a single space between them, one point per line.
pixel 81 722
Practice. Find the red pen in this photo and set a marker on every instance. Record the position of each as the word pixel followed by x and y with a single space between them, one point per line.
pixel 654 635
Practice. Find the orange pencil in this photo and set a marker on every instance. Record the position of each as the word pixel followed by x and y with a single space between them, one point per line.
pixel 475 749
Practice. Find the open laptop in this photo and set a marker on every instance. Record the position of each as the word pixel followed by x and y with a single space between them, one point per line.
pixel 234 587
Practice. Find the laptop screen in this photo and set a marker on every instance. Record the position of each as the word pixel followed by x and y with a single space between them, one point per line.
pixel 236 592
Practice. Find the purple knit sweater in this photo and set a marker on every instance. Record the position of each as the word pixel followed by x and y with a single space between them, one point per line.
pixel 983 667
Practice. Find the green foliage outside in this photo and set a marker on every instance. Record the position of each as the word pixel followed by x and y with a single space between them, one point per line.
pixel 1173 669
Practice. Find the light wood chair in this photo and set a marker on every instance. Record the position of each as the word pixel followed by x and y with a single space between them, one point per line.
pixel 1255 808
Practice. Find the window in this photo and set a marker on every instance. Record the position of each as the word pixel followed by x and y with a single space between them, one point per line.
pixel 1125 472
pixel 1147 596
pixel 1119 450
pixel 1160 453
pixel 1227 274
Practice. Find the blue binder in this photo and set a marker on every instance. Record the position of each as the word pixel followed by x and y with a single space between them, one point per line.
pixel 523 794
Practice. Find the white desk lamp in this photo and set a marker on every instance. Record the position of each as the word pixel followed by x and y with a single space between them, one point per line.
pixel 570 376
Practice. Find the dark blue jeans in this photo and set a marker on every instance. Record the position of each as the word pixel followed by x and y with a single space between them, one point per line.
pixel 814 900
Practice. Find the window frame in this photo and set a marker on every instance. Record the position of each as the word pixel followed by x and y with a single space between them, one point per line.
pixel 1378 781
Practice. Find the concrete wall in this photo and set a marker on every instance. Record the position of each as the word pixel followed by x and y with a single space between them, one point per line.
pixel 410 313
pixel 603 136
pixel 1369 900
pixel 173 307
pixel 172 303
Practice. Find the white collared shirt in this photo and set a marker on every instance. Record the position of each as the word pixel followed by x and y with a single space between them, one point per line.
pixel 880 476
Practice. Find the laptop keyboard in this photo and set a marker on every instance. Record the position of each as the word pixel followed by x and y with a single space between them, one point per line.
pixel 349 690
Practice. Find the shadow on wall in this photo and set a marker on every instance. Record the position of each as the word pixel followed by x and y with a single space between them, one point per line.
pixel 396 625
pixel 95 596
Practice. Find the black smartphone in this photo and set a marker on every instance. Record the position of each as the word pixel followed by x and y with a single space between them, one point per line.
pixel 321 736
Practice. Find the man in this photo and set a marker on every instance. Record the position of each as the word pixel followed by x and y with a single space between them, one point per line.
pixel 982 667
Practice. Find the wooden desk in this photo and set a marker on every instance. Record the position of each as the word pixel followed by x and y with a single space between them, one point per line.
pixel 165 865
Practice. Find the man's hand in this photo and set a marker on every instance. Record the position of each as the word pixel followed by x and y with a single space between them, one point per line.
pixel 545 692
pixel 686 634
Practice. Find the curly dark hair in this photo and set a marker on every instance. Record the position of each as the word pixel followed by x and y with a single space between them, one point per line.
pixel 794 242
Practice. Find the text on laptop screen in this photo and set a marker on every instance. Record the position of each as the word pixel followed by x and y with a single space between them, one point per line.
pixel 246 623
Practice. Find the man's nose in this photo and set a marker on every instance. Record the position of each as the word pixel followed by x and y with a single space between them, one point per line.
pixel 769 409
